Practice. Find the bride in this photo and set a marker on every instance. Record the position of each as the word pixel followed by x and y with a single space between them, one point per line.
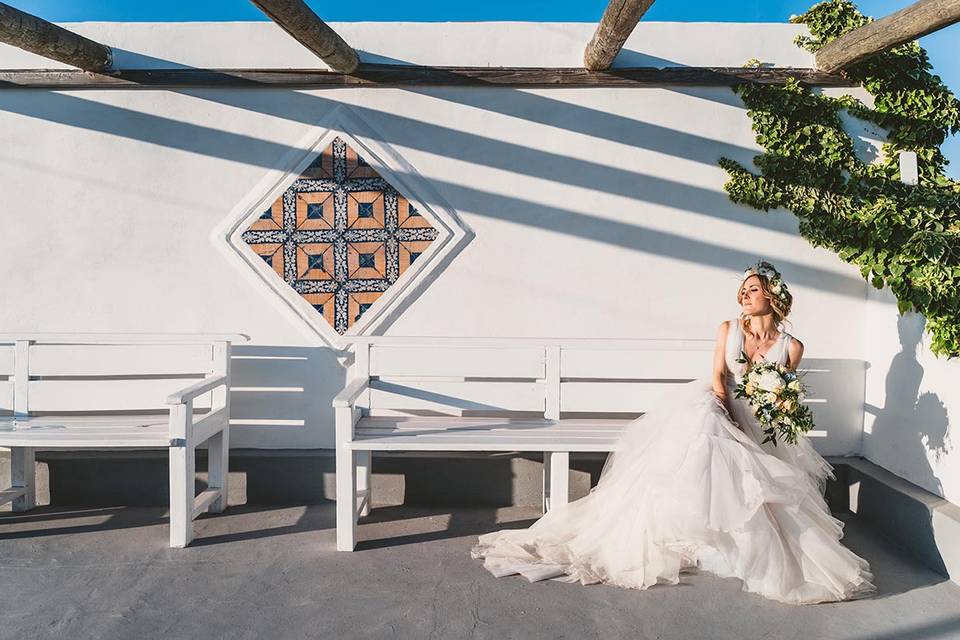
pixel 689 486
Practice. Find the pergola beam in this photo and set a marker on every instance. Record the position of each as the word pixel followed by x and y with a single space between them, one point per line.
pixel 915 21
pixel 388 75
pixel 297 19
pixel 618 21
pixel 46 39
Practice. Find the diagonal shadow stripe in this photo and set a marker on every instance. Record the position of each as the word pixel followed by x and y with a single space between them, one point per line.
pixel 73 110
pixel 167 132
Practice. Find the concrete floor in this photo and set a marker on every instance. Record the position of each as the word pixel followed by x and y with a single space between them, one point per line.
pixel 272 572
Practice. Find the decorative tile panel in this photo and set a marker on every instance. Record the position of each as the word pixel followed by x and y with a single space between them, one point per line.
pixel 340 235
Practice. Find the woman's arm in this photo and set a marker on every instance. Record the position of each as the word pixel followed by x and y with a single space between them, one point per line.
pixel 720 367
pixel 794 354
pixel 720 362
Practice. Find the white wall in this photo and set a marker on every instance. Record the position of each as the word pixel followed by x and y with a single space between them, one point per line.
pixel 912 400
pixel 597 212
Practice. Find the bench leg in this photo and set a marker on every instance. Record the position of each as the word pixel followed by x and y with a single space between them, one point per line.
pixel 364 478
pixel 556 479
pixel 218 458
pixel 23 475
pixel 346 499
pixel 182 494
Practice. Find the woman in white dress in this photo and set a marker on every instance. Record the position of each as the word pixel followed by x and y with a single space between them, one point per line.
pixel 689 486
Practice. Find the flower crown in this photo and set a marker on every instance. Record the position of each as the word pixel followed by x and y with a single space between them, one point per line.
pixel 777 286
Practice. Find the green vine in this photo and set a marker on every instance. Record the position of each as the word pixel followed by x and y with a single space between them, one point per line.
pixel 900 235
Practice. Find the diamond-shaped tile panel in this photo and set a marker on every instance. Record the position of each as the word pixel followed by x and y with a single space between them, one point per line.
pixel 340 235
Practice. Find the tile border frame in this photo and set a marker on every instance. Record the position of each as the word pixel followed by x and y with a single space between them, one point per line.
pixel 341 121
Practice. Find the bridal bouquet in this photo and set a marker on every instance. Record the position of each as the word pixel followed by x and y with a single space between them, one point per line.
pixel 775 394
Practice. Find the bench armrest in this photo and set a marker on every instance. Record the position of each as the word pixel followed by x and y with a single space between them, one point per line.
pixel 346 397
pixel 197 388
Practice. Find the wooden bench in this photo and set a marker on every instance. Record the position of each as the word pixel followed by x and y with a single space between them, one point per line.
pixel 108 391
pixel 552 396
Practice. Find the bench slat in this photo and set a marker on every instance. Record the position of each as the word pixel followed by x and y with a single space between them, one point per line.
pixel 120 359
pixel 88 421
pixel 483 442
pixel 6 359
pixel 509 440
pixel 6 395
pixel 441 394
pixel 107 395
pixel 631 397
pixel 150 438
pixel 461 361
pixel 507 429
pixel 617 364
pixel 380 425
pixel 86 431
pixel 440 433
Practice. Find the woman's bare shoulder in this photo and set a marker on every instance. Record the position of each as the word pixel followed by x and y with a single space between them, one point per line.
pixel 794 352
pixel 794 341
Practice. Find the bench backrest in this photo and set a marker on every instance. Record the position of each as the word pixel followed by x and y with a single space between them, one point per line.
pixel 104 373
pixel 567 377
pixel 550 377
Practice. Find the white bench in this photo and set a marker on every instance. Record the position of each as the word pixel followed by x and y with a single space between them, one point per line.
pixel 552 396
pixel 108 391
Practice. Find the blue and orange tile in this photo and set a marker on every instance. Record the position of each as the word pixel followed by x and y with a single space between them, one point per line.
pixel 340 235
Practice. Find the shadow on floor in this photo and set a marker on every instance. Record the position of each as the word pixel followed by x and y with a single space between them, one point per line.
pixel 895 571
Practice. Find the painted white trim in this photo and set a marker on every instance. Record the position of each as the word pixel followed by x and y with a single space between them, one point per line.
pixel 92 337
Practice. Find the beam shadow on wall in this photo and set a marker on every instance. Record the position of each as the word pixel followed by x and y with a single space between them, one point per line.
pixel 74 111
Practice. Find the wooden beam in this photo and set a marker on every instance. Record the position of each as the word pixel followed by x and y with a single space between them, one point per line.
pixel 908 24
pixel 616 25
pixel 46 39
pixel 297 19
pixel 407 76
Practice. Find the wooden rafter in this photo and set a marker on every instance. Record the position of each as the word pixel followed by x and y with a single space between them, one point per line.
pixel 919 19
pixel 297 19
pixel 618 21
pixel 46 39
pixel 377 75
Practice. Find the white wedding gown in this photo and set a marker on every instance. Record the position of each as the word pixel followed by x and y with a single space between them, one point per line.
pixel 686 489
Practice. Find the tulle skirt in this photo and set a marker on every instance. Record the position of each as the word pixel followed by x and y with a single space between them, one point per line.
pixel 686 489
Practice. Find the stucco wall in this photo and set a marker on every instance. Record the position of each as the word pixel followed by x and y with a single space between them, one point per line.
pixel 912 400
pixel 596 212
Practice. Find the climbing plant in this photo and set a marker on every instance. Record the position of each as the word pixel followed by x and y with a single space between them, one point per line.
pixel 904 236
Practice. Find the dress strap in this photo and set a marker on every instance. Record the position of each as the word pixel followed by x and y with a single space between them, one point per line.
pixel 785 356
pixel 734 337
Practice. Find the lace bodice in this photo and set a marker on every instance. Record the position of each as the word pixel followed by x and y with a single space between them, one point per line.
pixel 777 353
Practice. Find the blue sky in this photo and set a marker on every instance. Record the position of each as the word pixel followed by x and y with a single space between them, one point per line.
pixel 943 46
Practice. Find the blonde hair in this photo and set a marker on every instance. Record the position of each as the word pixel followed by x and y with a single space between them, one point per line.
pixel 781 306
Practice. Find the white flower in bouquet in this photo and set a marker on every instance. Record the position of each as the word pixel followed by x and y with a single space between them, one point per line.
pixel 770 381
